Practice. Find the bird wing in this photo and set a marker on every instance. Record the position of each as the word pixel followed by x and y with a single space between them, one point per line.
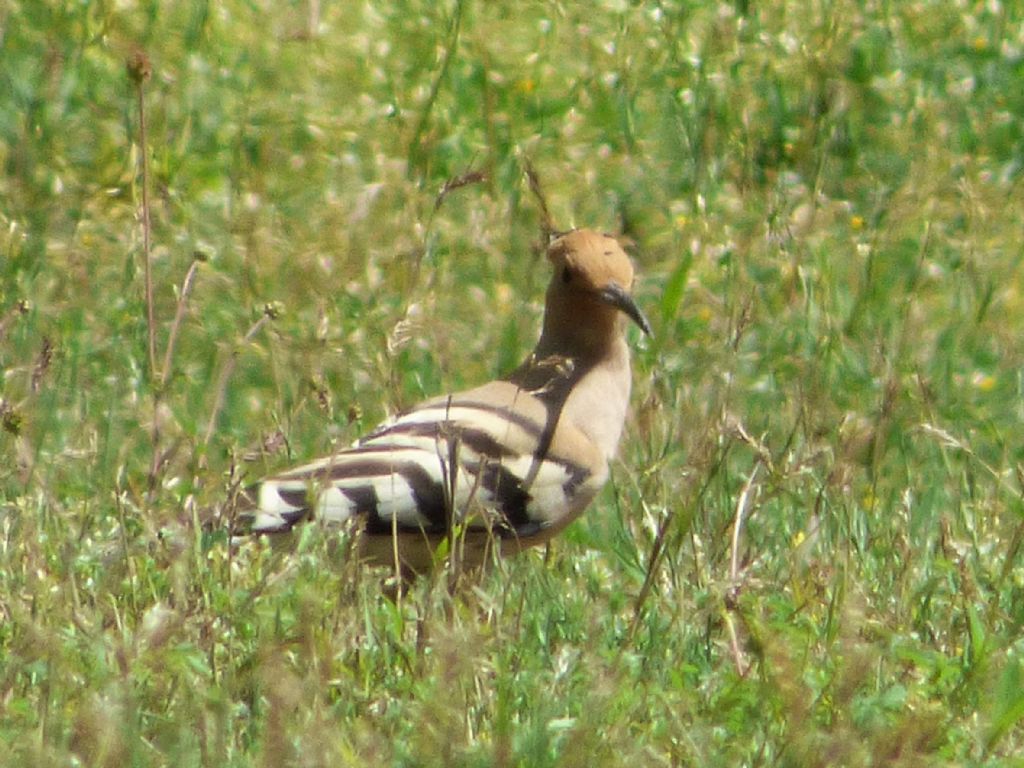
pixel 495 457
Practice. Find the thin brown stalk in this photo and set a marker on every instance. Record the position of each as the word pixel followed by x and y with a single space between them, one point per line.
pixel 452 524
pixel 652 568
pixel 737 525
pixel 742 505
pixel 742 667
pixel 452 44
pixel 457 182
pixel 658 548
pixel 269 313
pixel 42 365
pixel 159 457
pixel 139 70
pixel 129 561
pixel 536 188
pixel 179 315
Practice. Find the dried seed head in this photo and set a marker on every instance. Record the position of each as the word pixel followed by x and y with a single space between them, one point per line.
pixel 139 67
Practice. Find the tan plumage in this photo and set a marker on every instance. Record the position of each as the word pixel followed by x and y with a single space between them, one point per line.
pixel 509 463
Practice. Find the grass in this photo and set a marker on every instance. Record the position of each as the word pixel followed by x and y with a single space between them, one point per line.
pixel 826 204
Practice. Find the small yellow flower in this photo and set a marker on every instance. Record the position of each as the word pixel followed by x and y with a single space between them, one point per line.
pixel 526 85
pixel 983 382
pixel 798 538
pixel 857 222
pixel 979 43
pixel 503 294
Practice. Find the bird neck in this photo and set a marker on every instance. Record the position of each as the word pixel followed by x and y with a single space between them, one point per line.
pixel 581 328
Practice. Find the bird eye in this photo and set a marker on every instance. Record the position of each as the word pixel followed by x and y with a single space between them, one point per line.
pixel 566 275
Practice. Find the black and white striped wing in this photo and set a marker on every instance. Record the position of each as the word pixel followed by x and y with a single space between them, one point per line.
pixel 488 458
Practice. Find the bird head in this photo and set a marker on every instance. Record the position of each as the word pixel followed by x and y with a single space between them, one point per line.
pixel 592 275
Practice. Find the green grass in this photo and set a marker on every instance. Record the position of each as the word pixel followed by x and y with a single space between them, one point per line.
pixel 826 202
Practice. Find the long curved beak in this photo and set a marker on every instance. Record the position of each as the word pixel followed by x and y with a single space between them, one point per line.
pixel 615 295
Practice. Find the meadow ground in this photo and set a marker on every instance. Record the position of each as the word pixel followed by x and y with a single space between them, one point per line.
pixel 810 552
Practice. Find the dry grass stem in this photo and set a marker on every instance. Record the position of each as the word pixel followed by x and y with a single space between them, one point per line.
pixel 229 368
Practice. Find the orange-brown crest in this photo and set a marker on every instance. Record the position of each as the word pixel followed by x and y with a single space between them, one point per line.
pixel 587 260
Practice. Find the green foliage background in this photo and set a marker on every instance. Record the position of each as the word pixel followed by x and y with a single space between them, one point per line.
pixel 825 199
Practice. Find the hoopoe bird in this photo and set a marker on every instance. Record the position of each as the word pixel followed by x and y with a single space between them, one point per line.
pixel 503 466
